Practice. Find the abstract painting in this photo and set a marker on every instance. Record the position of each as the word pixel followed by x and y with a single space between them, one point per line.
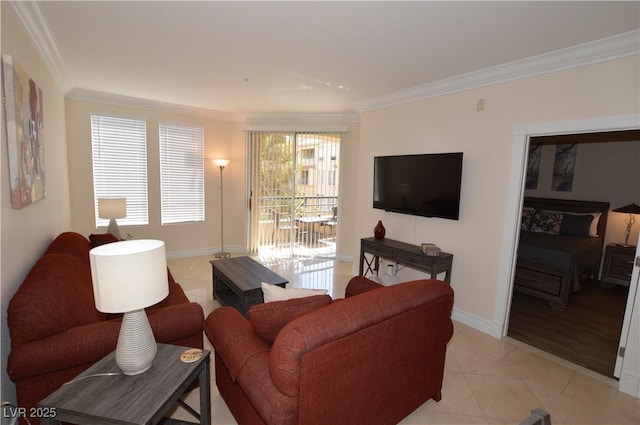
pixel 22 100
pixel 564 167
pixel 533 166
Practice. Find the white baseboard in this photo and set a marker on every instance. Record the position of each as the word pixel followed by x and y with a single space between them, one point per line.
pixel 630 384
pixel 174 255
pixel 485 326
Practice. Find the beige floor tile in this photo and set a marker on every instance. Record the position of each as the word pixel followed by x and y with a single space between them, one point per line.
pixel 424 416
pixel 483 344
pixel 530 366
pixel 457 397
pixel 470 361
pixel 502 398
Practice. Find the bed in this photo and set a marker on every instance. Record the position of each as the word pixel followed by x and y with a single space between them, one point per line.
pixel 561 243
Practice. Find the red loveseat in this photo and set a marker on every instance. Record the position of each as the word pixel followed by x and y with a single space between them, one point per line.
pixel 56 331
pixel 371 358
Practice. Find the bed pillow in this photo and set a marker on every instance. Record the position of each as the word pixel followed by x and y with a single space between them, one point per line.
pixel 576 225
pixel 593 229
pixel 546 222
pixel 527 215
pixel 268 319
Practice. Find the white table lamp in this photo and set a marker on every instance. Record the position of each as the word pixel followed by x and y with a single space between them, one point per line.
pixel 112 208
pixel 127 277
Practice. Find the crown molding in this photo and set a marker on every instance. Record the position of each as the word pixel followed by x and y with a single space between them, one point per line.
pixel 301 118
pixel 606 49
pixel 36 26
pixel 146 104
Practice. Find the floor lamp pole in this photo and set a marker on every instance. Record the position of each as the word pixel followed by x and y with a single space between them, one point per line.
pixel 221 163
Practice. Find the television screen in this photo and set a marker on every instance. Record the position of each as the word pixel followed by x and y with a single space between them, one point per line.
pixel 427 185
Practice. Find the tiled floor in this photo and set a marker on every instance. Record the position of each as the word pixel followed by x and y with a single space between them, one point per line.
pixel 486 381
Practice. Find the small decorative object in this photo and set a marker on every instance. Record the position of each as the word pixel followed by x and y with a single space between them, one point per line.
pixel 191 355
pixel 379 231
pixel 430 249
pixel 631 210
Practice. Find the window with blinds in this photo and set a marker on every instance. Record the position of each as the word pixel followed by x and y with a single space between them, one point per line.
pixel 181 173
pixel 119 154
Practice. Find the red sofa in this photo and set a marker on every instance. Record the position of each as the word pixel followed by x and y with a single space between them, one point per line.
pixel 56 331
pixel 371 358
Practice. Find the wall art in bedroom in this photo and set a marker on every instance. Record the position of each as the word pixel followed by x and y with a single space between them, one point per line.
pixel 22 100
pixel 533 165
pixel 564 167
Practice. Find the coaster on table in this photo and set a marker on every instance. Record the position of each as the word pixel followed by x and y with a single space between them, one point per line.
pixel 191 355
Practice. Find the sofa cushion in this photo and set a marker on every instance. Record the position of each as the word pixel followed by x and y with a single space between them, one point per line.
pixel 276 293
pixel 268 319
pixel 56 295
pixel 101 239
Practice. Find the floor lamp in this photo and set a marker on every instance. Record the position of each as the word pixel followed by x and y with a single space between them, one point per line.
pixel 221 163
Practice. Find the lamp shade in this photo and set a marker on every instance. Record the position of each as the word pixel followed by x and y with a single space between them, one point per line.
pixel 129 275
pixel 221 162
pixel 628 209
pixel 112 207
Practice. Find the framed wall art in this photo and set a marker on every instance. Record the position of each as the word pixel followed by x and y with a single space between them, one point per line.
pixel 22 100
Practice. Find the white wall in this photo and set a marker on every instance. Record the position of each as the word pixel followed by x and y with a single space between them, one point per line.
pixel 26 232
pixel 450 123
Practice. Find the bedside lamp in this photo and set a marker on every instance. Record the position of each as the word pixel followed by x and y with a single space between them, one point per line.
pixel 112 208
pixel 127 277
pixel 631 210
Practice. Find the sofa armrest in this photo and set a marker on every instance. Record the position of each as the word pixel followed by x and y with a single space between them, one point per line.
pixel 176 322
pixel 233 338
pixel 360 284
pixel 89 343
pixel 74 347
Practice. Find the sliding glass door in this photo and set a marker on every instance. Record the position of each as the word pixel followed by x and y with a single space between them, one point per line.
pixel 294 193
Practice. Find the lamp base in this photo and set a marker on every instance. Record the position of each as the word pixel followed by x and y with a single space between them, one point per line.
pixel 222 255
pixel 114 229
pixel 136 344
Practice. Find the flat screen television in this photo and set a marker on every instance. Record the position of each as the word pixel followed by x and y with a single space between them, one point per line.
pixel 426 185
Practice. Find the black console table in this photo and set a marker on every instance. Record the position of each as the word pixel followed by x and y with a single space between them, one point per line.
pixel 405 254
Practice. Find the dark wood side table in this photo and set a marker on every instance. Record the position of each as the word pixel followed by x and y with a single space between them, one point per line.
pixel 237 282
pixel 405 254
pixel 92 398
pixel 618 264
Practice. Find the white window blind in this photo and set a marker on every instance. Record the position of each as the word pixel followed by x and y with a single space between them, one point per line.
pixel 181 173
pixel 119 153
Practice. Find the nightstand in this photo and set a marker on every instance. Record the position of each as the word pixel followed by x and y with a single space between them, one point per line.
pixel 618 264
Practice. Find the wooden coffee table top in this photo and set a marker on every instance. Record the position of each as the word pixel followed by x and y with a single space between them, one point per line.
pixel 246 273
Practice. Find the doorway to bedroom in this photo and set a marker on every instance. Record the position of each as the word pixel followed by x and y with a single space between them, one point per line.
pixel 588 331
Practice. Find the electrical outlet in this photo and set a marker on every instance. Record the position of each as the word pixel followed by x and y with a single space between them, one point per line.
pixel 480 105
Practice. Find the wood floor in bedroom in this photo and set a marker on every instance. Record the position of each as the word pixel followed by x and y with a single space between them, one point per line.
pixel 587 333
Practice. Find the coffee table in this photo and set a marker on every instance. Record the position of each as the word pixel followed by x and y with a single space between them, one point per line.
pixel 237 282
pixel 101 395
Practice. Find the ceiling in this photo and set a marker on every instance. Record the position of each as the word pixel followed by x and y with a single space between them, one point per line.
pixel 302 57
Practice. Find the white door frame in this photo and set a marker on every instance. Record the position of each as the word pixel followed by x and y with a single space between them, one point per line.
pixel 522 134
pixel 627 368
